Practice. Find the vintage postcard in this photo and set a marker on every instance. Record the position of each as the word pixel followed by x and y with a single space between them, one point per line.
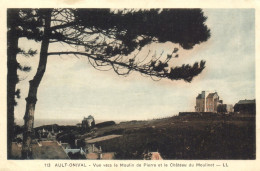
pixel 116 86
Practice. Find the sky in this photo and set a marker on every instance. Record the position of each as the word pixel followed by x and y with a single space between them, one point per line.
pixel 72 89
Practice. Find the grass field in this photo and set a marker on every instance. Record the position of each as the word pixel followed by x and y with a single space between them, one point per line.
pixel 184 137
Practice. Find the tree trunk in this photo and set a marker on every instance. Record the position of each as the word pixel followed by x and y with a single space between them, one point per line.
pixel 33 87
pixel 12 78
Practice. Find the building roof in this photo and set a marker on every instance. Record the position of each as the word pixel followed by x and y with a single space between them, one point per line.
pixel 153 156
pixel 105 156
pixel 246 101
pixel 211 95
pixel 92 156
pixel 65 145
pixel 199 96
pixel 89 117
pixel 156 156
pixel 47 150
pixel 99 139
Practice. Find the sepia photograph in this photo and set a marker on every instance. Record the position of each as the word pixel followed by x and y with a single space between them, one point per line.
pixel 131 84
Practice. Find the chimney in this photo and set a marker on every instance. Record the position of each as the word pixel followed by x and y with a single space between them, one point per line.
pixel 203 94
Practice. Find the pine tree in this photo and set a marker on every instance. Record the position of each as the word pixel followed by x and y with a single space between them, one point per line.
pixel 114 38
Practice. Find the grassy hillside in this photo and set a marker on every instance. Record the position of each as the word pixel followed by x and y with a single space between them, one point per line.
pixel 184 137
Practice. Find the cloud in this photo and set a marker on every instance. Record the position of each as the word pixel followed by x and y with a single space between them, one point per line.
pixel 71 88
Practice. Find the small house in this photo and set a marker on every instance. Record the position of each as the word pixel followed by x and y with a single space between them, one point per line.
pixel 245 106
